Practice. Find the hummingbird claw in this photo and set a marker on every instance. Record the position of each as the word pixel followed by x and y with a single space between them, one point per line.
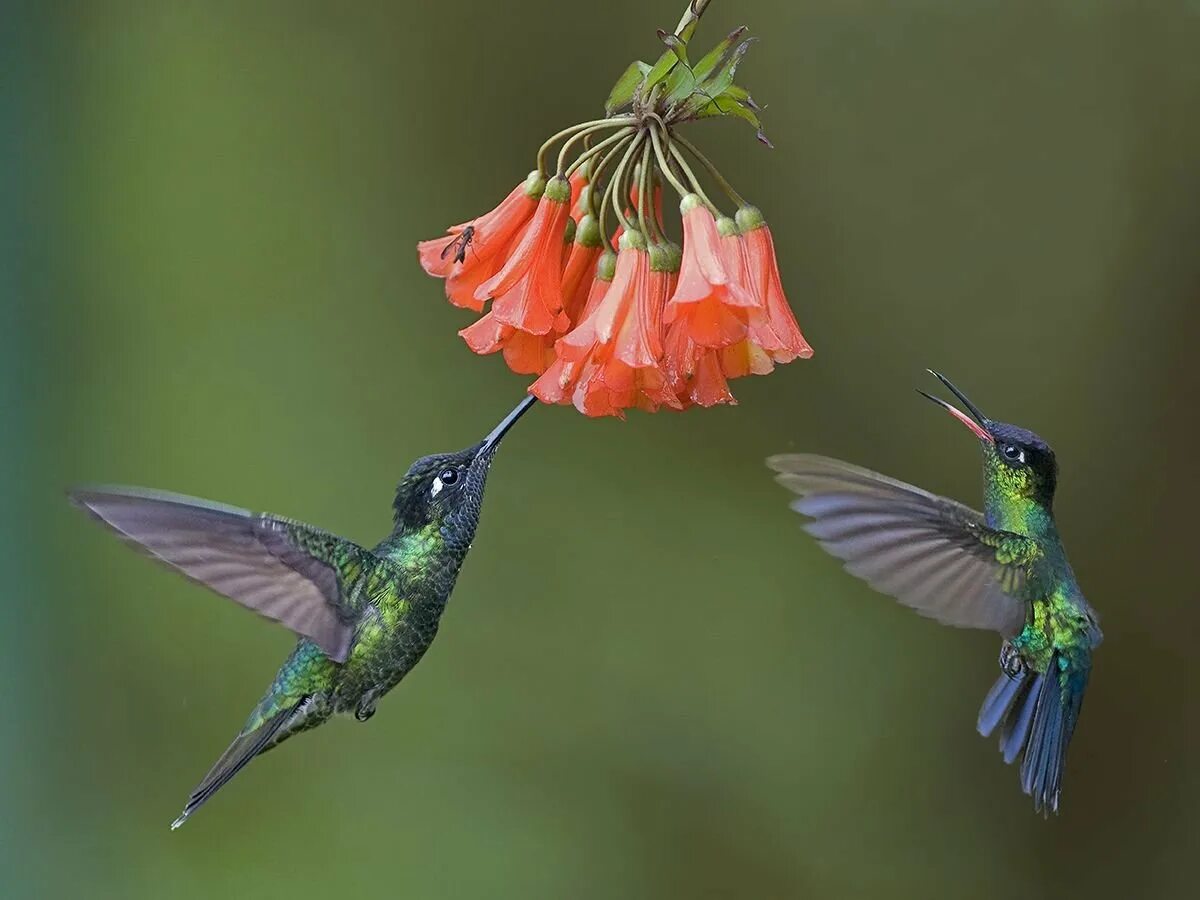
pixel 1011 661
pixel 365 709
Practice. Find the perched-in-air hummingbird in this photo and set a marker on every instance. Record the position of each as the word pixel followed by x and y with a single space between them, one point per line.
pixel 364 617
pixel 1003 570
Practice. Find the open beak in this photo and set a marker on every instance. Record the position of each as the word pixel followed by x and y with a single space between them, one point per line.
pixel 493 439
pixel 976 421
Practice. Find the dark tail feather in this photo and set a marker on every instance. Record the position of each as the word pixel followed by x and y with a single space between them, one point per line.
pixel 1039 717
pixel 1016 729
pixel 244 748
pixel 998 702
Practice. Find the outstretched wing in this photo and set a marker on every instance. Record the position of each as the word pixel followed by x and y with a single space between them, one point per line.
pixel 930 553
pixel 285 570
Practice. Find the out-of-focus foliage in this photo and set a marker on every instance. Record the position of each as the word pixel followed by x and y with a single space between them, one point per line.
pixel 649 683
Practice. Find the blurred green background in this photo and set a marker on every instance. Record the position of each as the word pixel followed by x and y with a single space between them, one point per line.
pixel 649 682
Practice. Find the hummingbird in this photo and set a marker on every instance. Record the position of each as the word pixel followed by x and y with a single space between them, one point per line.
pixel 1001 570
pixel 364 618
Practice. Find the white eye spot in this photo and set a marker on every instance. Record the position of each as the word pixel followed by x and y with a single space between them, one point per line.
pixel 437 487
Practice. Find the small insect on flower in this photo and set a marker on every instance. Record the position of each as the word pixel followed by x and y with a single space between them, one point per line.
pixel 658 323
pixel 460 244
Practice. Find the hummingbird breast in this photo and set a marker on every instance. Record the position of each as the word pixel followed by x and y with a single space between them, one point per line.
pixel 388 643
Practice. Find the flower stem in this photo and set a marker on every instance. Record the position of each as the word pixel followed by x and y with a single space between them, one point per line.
pixel 691 18
pixel 615 185
pixel 599 197
pixel 645 196
pixel 664 165
pixel 691 177
pixel 592 152
pixel 614 122
pixel 712 170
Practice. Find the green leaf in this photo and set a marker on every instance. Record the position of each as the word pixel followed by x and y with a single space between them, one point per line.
pixel 741 95
pixel 661 70
pixel 627 85
pixel 709 61
pixel 675 45
pixel 735 103
pixel 722 75
pixel 686 80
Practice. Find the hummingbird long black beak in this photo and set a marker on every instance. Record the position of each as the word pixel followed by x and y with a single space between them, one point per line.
pixel 492 441
pixel 976 421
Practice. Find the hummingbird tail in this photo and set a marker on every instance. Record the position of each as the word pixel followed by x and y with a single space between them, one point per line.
pixel 1038 711
pixel 245 747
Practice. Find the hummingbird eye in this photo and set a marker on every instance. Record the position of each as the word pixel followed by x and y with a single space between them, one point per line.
pixel 1013 453
pixel 447 476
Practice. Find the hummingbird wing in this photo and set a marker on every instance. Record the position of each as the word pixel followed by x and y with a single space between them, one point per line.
pixel 930 553
pixel 287 571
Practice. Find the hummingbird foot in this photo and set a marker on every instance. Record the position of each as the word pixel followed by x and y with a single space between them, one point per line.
pixel 366 707
pixel 1011 661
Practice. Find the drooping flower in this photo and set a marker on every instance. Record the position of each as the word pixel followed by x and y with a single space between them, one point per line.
pixel 556 385
pixel 708 296
pixel 580 267
pixel 471 252
pixel 766 284
pixel 527 291
pixel 694 373
pixel 652 325
pixel 611 360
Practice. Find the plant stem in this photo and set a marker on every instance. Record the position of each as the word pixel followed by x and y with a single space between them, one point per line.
pixel 598 197
pixel 691 18
pixel 645 191
pixel 712 170
pixel 615 122
pixel 591 152
pixel 665 166
pixel 691 177
pixel 615 185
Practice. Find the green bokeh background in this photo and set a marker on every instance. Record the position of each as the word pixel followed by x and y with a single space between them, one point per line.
pixel 649 683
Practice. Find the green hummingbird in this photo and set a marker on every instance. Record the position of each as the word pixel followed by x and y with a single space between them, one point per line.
pixel 1003 570
pixel 364 617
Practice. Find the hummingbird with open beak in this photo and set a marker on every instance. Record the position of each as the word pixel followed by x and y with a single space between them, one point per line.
pixel 364 617
pixel 1004 570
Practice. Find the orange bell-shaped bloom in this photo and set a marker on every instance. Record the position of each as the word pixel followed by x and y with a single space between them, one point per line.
pixel 708 296
pixel 558 382
pixel 695 373
pixel 778 333
pixel 472 252
pixel 611 360
pixel 580 268
pixel 526 292
pixel 524 353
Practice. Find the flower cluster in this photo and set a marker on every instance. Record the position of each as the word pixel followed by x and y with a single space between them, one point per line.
pixel 613 321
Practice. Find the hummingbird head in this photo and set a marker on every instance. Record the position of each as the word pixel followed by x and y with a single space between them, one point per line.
pixel 446 490
pixel 1017 464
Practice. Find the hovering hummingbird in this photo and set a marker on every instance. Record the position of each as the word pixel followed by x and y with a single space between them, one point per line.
pixel 1003 570
pixel 364 617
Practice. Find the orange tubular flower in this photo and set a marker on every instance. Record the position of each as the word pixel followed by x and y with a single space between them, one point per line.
pixel 467 258
pixel 784 342
pixel 708 296
pixel 525 354
pixel 611 360
pixel 695 373
pixel 635 376
pixel 557 384
pixel 578 272
pixel 579 184
pixel 527 291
